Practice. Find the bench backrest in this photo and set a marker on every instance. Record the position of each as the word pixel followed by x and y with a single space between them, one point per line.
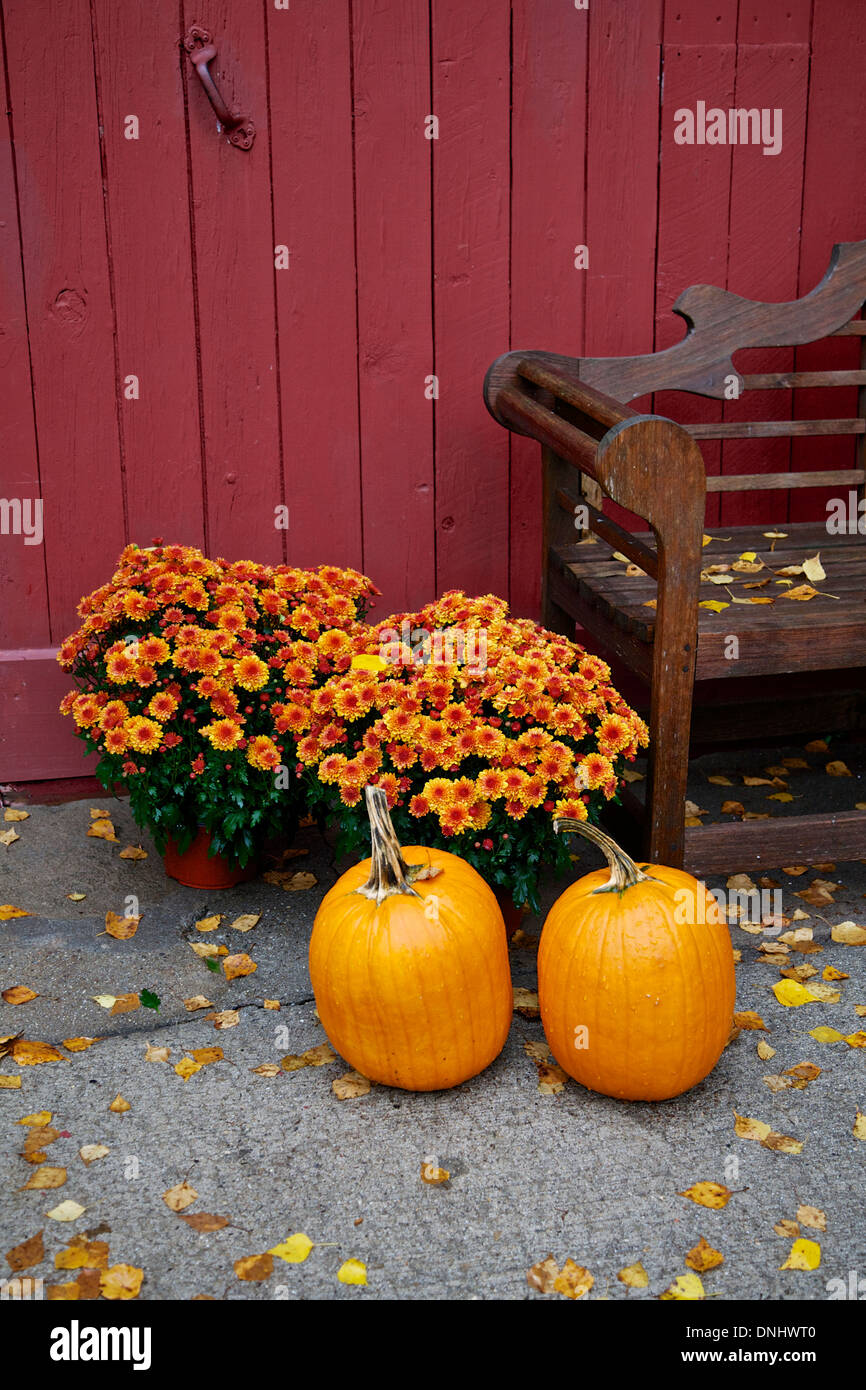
pixel 721 323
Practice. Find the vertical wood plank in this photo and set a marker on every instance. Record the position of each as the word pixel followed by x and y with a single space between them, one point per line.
pixel 393 209
pixel 763 258
pixel 622 180
pixel 66 273
pixel 471 82
pixel 310 84
pixel 548 221
pixel 833 210
pixel 234 260
pixel 694 203
pixel 23 592
pixel 138 66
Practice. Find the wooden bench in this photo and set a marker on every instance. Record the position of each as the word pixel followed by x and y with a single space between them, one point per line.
pixel 594 445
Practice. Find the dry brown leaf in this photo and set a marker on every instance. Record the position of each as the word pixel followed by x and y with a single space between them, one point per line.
pixel 831 973
pixel 272 1003
pixel 226 1018
pixel 848 934
pixel 197 1001
pixel 859 1130
pixel 270 1069
pixel 186 1068
pixel 813 1217
pixel 10 1083
pixel 83 1253
pixel 102 829
pixel 91 1153
pixel 33 1054
pixel 237 965
pixel 749 1021
pixel 209 923
pixel 804 1071
pixel 733 808
pixel 838 769
pixel 573 1281
pixel 787 1228
pixel 29 1253
pixel 526 1002
pixel 133 852
pixel 8 838
pixel 204 1221
pixel 634 1276
pixel 205 949
pixel 180 1196
pixel 125 1004
pixel 121 1282
pixel 79 1044
pixel 157 1054
pixel 18 994
pixel 13 814
pixel 320 1056
pixel 8 911
pixel 703 1257
pixel 434 1175
pixel 551 1078
pixel 350 1086
pixel 296 882
pixel 204 1056
pixel 121 928
pixel 46 1178
pixel 245 922
pixel 255 1268
pixel 119 1105
pixel 542 1276
pixel 765 1051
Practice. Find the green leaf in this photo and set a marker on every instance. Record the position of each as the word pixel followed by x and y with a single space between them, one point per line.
pixel 149 1000
pixel 212 964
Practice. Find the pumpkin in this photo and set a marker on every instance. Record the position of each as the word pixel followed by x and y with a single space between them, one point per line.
pixel 635 977
pixel 409 964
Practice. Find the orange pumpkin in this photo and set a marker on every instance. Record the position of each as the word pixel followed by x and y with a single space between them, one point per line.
pixel 409 964
pixel 635 978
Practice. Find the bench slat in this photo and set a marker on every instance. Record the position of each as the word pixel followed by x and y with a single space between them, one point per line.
pixel 758 482
pixel 773 429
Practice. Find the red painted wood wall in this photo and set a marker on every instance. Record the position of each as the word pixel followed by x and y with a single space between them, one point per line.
pixel 408 258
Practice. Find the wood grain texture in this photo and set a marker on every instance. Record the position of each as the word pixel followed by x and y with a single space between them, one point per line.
pixel 395 346
pixel 688 175
pixel 234 276
pixel 548 221
pixel 773 77
pixel 67 284
pixel 138 72
pixel 832 198
pixel 471 296
pixel 23 591
pixel 309 50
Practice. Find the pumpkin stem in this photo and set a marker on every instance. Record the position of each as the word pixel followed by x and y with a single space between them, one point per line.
pixel 624 873
pixel 389 872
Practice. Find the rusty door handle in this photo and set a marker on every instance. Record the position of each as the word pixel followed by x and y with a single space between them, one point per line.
pixel 201 49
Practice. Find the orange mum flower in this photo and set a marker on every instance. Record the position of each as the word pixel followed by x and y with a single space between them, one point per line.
pixel 263 753
pixel 144 735
pixel 250 672
pixel 439 792
pixel 120 667
pixel 162 706
pixel 491 783
pixel 224 734
pixel 115 741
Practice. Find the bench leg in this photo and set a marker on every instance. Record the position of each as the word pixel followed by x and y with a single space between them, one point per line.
pixel 670 725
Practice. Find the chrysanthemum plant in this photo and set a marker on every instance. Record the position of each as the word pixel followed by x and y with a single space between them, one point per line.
pixel 182 664
pixel 481 728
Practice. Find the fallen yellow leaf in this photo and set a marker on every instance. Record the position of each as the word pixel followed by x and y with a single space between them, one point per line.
pixel 708 1194
pixel 352 1272
pixel 294 1249
pixel 805 1254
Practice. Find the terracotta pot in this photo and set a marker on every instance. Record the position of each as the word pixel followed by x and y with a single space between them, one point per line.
pixel 198 869
pixel 512 914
